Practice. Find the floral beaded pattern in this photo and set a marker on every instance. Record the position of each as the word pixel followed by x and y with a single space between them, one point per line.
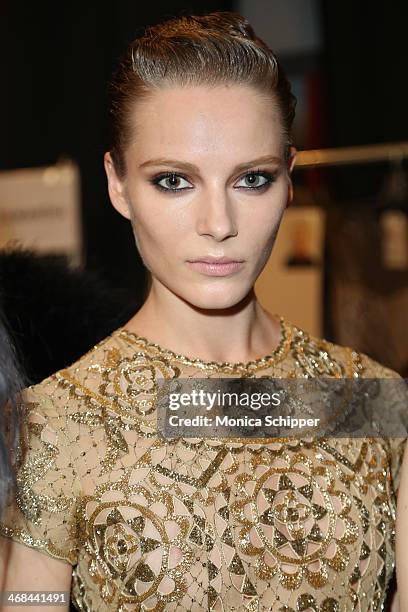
pixel 149 523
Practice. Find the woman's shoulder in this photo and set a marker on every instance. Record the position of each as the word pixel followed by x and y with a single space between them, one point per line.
pixel 327 358
pixel 62 414
pixel 85 371
pixel 69 404
pixel 367 367
pixel 93 395
pixel 61 454
pixel 348 360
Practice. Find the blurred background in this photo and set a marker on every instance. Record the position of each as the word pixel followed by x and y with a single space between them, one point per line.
pixel 340 266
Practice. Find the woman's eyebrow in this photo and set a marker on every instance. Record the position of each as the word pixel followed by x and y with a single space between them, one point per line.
pixel 192 168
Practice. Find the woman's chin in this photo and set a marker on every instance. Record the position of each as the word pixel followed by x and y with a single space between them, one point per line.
pixel 214 300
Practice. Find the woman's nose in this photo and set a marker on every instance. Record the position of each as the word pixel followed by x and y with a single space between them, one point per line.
pixel 216 216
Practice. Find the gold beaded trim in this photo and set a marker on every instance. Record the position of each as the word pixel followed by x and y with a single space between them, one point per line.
pixel 226 366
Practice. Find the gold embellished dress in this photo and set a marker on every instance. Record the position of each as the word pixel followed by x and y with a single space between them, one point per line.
pixel 149 523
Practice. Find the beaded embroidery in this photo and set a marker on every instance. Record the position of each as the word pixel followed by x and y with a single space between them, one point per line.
pixel 202 524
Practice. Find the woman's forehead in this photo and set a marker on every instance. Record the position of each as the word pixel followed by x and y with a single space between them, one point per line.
pixel 205 120
pixel 200 102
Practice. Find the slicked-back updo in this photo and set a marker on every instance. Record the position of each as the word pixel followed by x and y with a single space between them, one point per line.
pixel 213 49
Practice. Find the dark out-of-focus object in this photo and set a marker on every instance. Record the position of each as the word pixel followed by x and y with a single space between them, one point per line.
pixel 368 250
pixel 55 313
pixel 11 382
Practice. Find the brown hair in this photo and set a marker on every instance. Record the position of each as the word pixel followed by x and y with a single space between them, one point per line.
pixel 211 49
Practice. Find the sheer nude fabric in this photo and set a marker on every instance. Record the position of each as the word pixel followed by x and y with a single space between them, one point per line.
pixel 149 523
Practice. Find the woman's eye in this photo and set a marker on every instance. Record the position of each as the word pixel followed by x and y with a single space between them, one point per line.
pixel 255 180
pixel 250 181
pixel 172 182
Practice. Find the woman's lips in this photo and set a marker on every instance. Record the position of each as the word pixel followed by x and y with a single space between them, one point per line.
pixel 216 269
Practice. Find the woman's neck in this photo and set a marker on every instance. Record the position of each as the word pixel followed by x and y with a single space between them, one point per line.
pixel 241 333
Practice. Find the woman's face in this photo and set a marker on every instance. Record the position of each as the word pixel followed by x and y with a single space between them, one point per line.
pixel 206 178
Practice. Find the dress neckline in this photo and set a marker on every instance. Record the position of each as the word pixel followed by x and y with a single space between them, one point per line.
pixel 271 358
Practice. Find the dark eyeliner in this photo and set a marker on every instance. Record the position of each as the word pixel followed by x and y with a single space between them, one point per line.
pixel 270 178
pixel 156 180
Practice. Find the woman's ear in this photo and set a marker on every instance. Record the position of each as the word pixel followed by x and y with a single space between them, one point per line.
pixel 116 187
pixel 291 163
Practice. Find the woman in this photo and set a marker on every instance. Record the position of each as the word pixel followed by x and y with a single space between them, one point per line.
pixel 200 163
